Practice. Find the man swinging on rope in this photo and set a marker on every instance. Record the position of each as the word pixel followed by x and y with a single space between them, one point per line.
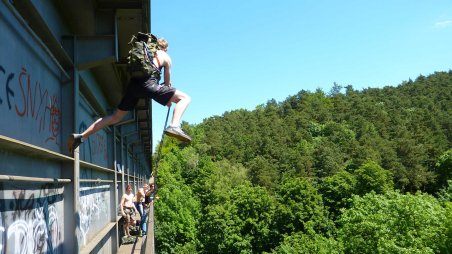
pixel 147 87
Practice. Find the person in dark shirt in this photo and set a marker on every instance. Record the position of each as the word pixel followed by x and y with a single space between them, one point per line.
pixel 149 197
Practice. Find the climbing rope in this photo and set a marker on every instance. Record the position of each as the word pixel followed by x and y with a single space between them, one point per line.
pixel 160 151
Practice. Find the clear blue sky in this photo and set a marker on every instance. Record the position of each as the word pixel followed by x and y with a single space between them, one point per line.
pixel 237 54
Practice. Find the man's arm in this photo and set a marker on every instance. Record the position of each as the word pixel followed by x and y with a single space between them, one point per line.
pixel 134 207
pixel 141 192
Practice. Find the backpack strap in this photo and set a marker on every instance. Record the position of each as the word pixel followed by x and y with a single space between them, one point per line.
pixel 149 57
pixel 158 61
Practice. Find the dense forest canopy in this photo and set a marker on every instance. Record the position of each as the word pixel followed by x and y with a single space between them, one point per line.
pixel 345 171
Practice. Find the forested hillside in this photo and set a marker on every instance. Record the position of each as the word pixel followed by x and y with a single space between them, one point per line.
pixel 343 171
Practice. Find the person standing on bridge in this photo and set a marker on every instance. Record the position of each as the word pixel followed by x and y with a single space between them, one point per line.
pixel 149 197
pixel 147 87
pixel 139 202
pixel 128 209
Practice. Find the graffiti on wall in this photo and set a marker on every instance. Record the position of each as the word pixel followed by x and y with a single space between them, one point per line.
pixel 28 98
pixel 94 211
pixel 30 221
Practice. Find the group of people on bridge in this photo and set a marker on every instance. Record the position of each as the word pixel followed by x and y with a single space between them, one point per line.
pixel 132 205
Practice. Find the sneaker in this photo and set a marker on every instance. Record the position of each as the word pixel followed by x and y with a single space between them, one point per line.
pixel 74 141
pixel 178 133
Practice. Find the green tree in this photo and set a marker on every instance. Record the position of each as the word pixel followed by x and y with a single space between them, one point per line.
pixel 443 168
pixel 337 191
pixel 262 172
pixel 300 208
pixel 412 155
pixel 393 223
pixel 445 194
pixel 310 243
pixel 219 178
pixel 448 247
pixel 384 137
pixel 342 136
pixel 372 177
pixel 177 212
pixel 242 224
pixel 328 158
pixel 255 209
pixel 176 219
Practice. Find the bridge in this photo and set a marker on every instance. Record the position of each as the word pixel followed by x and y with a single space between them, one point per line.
pixel 62 66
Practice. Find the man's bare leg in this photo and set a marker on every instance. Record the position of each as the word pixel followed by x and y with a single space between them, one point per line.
pixel 127 228
pixel 182 100
pixel 103 122
pixel 76 139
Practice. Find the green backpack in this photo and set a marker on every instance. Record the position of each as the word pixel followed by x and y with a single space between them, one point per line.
pixel 140 59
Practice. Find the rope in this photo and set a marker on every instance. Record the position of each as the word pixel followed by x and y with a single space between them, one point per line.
pixel 160 151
